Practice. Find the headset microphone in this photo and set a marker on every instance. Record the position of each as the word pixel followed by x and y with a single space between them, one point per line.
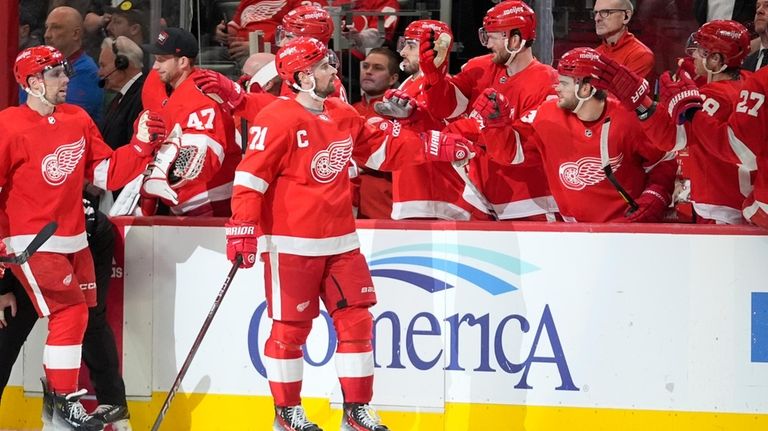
pixel 103 81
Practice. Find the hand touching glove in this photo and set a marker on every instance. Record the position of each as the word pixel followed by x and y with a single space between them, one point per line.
pixel 396 104
pixel 493 108
pixel 627 86
pixel 221 89
pixel 149 132
pixel 241 240
pixel 433 56
pixel 681 98
pixel 446 147
pixel 651 205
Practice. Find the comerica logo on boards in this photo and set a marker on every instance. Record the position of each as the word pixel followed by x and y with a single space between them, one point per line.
pixel 434 268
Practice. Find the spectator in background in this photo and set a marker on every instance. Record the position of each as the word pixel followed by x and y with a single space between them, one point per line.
pixel 64 31
pixel 372 191
pixel 759 58
pixel 611 20
pixel 29 35
pixel 129 19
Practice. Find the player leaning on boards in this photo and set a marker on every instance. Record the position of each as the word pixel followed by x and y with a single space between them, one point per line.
pixel 298 154
pixel 47 151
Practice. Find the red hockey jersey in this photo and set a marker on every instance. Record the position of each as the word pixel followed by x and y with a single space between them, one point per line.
pixel 517 192
pixel 571 153
pixel 718 188
pixel 294 182
pixel 203 122
pixel 44 161
pixel 431 190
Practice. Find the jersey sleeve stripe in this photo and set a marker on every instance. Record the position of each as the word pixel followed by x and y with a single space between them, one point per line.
pixel 747 157
pixel 250 181
pixel 100 174
pixel 201 140
pixel 461 103
pixel 378 157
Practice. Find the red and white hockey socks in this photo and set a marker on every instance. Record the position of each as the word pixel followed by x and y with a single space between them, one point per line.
pixel 63 348
pixel 284 361
pixel 354 354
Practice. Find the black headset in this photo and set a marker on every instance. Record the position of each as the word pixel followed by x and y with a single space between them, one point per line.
pixel 121 61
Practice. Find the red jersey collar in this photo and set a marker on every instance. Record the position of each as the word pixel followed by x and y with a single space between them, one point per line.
pixel 625 39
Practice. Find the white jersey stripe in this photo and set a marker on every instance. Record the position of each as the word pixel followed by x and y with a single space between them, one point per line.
pixel 39 298
pixel 247 179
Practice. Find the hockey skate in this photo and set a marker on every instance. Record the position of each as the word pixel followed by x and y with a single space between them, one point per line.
pixel 69 414
pixel 115 418
pixel 360 417
pixel 292 419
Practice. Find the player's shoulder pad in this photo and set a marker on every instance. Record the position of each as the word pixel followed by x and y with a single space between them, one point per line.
pixel 479 62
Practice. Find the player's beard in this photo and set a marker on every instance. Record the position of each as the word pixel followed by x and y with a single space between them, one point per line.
pixel 567 104
pixel 501 57
pixel 327 91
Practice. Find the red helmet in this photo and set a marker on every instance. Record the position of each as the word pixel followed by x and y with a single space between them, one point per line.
pixel 579 63
pixel 299 55
pixel 416 28
pixel 309 21
pixel 725 37
pixel 34 60
pixel 511 15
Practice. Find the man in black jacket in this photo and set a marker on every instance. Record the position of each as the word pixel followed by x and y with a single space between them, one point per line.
pixel 759 58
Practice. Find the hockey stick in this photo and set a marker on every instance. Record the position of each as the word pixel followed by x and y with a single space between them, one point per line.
pixel 605 160
pixel 196 345
pixel 473 188
pixel 39 239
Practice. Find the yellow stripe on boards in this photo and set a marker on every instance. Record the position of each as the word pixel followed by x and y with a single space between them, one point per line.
pixel 205 412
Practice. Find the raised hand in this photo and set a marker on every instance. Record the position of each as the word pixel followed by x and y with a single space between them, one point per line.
pixel 396 104
pixel 221 89
pixel 447 147
pixel 681 98
pixel 627 86
pixel 149 132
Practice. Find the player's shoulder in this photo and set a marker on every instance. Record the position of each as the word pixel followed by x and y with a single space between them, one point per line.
pixel 337 105
pixel 479 62
pixel 283 111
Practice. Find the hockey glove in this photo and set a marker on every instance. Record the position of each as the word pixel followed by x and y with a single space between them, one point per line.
pixel 627 86
pixel 680 98
pixel 149 132
pixel 241 240
pixel 433 55
pixel 396 104
pixel 221 89
pixel 651 206
pixel 446 147
pixel 492 107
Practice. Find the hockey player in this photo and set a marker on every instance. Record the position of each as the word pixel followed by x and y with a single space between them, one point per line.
pixel 724 131
pixel 299 151
pixel 508 31
pixel 193 173
pixel 48 150
pixel 432 190
pixel 579 137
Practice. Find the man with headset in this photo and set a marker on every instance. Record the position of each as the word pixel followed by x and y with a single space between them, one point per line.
pixel 120 65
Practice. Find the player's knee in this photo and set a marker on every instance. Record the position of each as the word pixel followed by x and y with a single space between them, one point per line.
pixel 67 325
pixel 290 334
pixel 353 324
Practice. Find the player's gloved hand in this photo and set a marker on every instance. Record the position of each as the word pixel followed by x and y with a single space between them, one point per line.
pixel 631 89
pixel 221 89
pixel 241 240
pixel 157 183
pixel 493 108
pixel 396 104
pixel 149 132
pixel 447 147
pixel 681 98
pixel 651 205
pixel 433 56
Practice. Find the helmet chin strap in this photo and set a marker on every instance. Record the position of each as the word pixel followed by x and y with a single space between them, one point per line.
pixel 40 95
pixel 581 99
pixel 711 73
pixel 311 91
pixel 513 54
